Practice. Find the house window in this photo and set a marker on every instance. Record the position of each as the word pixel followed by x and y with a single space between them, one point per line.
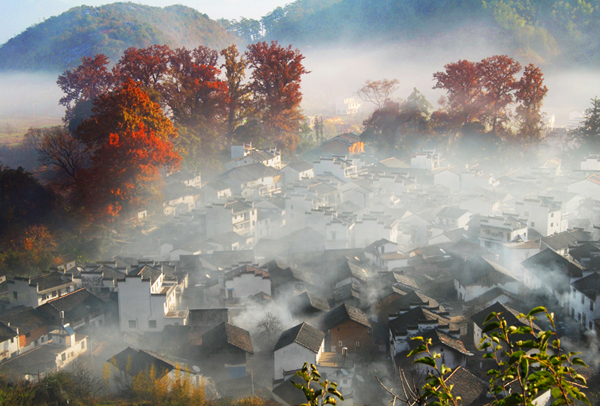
pixel 152 323
pixel 579 317
pixel 83 345
pixel 340 344
pixel 15 295
pixel 552 215
pixel 582 299
pixel 132 324
pixel 551 224
pixel 584 319
pixel 574 293
pixel 42 339
pixel 358 343
pixel 573 312
pixel 591 325
pixel 27 335
pixel 533 224
pixel 591 305
pixel 44 297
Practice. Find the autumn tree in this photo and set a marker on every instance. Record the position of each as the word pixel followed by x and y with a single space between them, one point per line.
pixel 382 128
pixel 462 82
pixel 237 92
pixel 269 328
pixel 148 67
pixel 531 91
pixel 275 83
pixel 378 92
pixel 499 83
pixel 415 113
pixel 129 140
pixel 120 110
pixel 197 99
pixel 84 83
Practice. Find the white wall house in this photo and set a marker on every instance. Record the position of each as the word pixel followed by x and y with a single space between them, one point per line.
pixel 340 168
pixel 544 215
pixel 34 292
pixel 149 303
pixel 246 281
pixel 584 298
pixel 297 345
pixel 590 163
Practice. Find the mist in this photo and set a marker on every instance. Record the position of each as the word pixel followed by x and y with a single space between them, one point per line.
pixel 28 94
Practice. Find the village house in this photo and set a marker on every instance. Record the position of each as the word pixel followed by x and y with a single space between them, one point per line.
pixel 499 230
pixel 544 215
pixel 584 302
pixel 186 178
pixel 34 292
pixel 79 308
pixel 246 281
pixel 588 187
pixel 340 167
pixel 238 216
pixel 31 326
pixel 149 300
pixel 384 254
pixel 347 327
pixel 453 217
pixel 452 350
pixel 224 351
pixel 479 275
pixel 343 144
pixel 63 347
pixel 298 170
pixel 252 180
pixel 297 345
pixel 9 341
pixel 130 362
pixel 245 154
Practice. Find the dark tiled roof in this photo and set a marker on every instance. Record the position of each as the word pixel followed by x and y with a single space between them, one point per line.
pixel 565 239
pixel 584 251
pixel 247 269
pixel 412 318
pixel 300 166
pixel 76 305
pixel 510 315
pixel 226 333
pixel 49 281
pixel 466 250
pixel 135 361
pixel 307 302
pixel 303 334
pixel 6 332
pixel 207 317
pixel 439 337
pixel 553 268
pixel 413 298
pixel 344 313
pixel 589 286
pixel 483 272
pixel 471 389
pixel 26 320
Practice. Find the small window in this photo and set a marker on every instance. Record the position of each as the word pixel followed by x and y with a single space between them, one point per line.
pixel 533 224
pixel 340 343
pixel 591 325
pixel 15 295
pixel 132 324
pixel 582 299
pixel 152 323
pixel 573 312
pixel 41 339
pixel 551 224
pixel 12 340
pixel 578 316
pixel 591 305
pixel 574 293
pixel 44 297
pixel 83 345
pixel 358 343
pixel 552 215
pixel 27 335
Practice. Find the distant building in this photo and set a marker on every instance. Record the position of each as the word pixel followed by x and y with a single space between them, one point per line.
pixel 347 105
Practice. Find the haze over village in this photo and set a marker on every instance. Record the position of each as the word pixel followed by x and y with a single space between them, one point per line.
pixel 192 209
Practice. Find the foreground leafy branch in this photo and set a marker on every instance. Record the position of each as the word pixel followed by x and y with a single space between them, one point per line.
pixel 325 395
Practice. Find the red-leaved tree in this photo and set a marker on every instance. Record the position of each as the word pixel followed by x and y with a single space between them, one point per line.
pixel 275 82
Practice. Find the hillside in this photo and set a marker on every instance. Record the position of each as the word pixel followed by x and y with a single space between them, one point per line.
pixel 59 42
pixel 546 31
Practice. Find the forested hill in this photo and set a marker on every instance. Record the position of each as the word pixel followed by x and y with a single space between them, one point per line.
pixel 59 42
pixel 553 31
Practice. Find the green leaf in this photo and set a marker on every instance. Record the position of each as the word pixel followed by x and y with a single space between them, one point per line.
pixel 418 350
pixel 534 311
pixel 426 361
pixel 491 326
pixel 489 317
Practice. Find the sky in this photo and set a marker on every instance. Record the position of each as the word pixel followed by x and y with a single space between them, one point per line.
pixel 17 15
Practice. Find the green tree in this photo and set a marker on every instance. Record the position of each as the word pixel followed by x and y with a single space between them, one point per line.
pixel 590 127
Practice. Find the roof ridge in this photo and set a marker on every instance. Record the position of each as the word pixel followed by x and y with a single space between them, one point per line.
pixel 65 295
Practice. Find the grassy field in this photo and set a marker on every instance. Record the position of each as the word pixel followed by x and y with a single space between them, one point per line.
pixel 12 128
